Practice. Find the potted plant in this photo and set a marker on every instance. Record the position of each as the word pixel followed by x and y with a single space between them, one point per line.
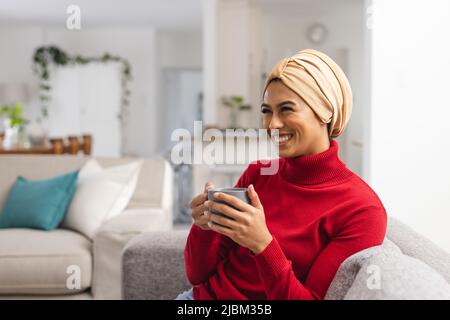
pixel 236 105
pixel 14 125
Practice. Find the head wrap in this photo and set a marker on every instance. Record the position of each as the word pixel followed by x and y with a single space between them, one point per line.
pixel 321 83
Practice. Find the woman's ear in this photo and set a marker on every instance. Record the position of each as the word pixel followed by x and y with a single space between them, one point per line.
pixel 329 129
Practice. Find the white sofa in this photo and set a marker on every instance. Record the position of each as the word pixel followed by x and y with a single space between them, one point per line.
pixel 36 264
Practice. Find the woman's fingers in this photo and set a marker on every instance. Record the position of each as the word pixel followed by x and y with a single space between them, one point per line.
pixel 200 218
pixel 234 202
pixel 208 185
pixel 203 220
pixel 198 200
pixel 224 221
pixel 197 205
pixel 225 209
pixel 254 198
pixel 220 229
pixel 202 197
pixel 198 211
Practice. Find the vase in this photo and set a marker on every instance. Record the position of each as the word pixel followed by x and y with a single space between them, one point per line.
pixel 37 135
pixel 11 137
pixel 233 118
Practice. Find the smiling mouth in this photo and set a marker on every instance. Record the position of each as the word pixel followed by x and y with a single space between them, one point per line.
pixel 282 139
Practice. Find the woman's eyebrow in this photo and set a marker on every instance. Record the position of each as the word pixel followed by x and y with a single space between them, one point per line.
pixel 286 102
pixel 279 104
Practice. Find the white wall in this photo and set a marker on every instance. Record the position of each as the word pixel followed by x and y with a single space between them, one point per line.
pixel 284 32
pixel 16 49
pixel 137 44
pixel 226 56
pixel 210 59
pixel 180 49
pixel 177 52
pixel 244 39
pixel 410 154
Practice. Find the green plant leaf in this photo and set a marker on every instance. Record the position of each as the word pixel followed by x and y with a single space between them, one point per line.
pixel 238 100
pixel 4 109
pixel 245 107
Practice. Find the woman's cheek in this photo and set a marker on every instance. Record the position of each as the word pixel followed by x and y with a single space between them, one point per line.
pixel 265 122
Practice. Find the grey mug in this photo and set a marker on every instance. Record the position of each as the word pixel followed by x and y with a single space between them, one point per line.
pixel 240 193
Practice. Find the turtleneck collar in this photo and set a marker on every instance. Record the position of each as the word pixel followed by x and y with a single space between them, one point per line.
pixel 316 168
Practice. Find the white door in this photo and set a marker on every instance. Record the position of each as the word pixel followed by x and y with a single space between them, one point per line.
pixel 86 100
pixel 182 100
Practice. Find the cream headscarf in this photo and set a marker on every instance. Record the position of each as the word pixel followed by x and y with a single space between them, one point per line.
pixel 321 83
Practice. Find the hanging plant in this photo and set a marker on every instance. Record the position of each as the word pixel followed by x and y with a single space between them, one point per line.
pixel 46 56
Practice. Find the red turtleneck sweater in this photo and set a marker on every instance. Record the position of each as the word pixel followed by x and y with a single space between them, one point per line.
pixel 318 212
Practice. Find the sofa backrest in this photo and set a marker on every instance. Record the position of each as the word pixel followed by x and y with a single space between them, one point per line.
pixel 150 191
pixel 427 276
pixel 418 246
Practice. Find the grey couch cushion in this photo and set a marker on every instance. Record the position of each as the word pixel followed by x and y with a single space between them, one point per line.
pixel 384 272
pixel 153 266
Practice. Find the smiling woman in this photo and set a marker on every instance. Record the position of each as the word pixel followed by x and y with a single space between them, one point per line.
pixel 300 131
pixel 305 219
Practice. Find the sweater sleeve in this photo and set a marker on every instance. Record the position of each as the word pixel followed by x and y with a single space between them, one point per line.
pixel 366 228
pixel 205 248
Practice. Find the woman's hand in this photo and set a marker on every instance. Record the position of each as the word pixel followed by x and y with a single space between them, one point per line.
pixel 198 207
pixel 245 225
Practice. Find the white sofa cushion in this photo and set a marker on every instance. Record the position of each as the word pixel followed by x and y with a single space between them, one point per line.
pixel 110 241
pixel 101 194
pixel 37 262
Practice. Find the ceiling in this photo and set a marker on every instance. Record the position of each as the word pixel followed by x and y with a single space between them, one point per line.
pixel 306 7
pixel 163 14
pixel 169 14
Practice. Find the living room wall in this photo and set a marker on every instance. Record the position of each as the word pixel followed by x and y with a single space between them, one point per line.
pixel 137 44
pixel 244 39
pixel 409 147
pixel 284 32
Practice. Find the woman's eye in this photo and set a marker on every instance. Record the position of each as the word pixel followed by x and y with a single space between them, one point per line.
pixel 285 109
pixel 265 110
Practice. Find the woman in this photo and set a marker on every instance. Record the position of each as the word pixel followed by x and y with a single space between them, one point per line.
pixel 305 220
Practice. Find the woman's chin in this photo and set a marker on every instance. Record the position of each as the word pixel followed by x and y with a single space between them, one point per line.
pixel 289 151
pixel 285 152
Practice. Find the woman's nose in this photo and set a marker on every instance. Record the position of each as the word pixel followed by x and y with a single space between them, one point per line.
pixel 275 122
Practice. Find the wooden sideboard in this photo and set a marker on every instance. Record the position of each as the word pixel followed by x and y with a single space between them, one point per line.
pixel 72 145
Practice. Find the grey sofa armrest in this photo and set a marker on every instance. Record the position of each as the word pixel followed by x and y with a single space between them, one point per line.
pixel 418 246
pixel 385 273
pixel 153 266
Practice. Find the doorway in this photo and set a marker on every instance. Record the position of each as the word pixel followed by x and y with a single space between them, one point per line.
pixel 182 101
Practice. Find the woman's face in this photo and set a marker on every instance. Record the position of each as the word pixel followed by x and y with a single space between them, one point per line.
pixel 300 131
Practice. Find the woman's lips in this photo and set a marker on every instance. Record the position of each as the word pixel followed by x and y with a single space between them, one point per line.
pixel 282 139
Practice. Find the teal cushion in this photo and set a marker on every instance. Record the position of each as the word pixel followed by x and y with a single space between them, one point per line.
pixel 38 204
